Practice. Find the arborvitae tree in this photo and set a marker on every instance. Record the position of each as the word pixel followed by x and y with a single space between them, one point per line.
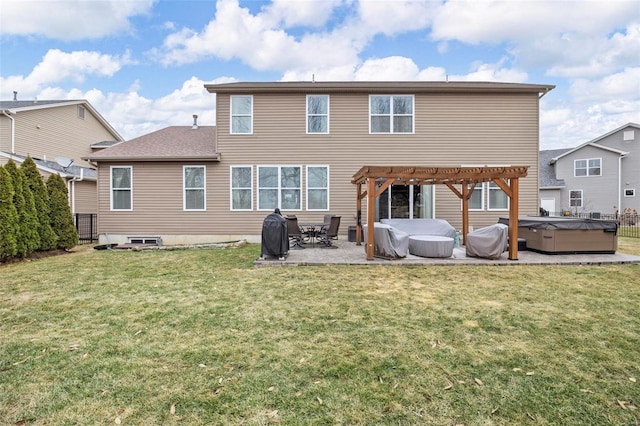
pixel 60 213
pixel 8 217
pixel 41 199
pixel 27 237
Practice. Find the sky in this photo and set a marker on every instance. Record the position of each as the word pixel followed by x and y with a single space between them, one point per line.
pixel 143 64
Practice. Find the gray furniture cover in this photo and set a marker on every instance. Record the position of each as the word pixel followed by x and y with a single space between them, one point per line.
pixel 422 226
pixel 489 242
pixel 388 242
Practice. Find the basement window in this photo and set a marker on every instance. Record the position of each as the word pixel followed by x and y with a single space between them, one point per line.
pixel 629 192
pixel 146 240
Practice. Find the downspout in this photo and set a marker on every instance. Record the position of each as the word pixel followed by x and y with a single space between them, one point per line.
pixel 8 113
pixel 72 190
pixel 620 185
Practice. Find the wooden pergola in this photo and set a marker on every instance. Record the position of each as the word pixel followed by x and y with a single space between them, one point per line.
pixel 376 179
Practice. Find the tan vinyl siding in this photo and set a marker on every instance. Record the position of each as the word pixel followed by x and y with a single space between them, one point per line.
pixel 51 132
pixel 85 197
pixel 450 130
pixel 5 133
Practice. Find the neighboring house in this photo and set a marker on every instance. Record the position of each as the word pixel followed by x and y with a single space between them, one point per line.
pixel 601 176
pixel 296 146
pixel 57 134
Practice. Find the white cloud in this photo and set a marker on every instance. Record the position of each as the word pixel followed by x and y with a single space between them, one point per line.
pixel 567 38
pixel 294 13
pixel 622 86
pixel 57 66
pixel 393 17
pixel 496 21
pixel 256 40
pixel 70 20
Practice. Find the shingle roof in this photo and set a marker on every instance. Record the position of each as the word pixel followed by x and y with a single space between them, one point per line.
pixel 24 104
pixel 377 87
pixel 71 171
pixel 547 170
pixel 175 143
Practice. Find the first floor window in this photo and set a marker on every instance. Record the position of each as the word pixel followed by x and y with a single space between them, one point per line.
pixel 279 187
pixel 575 198
pixel 498 199
pixel 241 188
pixel 476 202
pixel 121 188
pixel 317 188
pixel 194 188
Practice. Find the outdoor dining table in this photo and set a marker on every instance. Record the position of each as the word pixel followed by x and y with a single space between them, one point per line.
pixel 312 230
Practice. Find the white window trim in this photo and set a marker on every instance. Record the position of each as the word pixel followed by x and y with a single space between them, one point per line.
pixel 587 160
pixel 111 189
pixel 633 192
pixel 184 188
pixel 231 115
pixel 231 188
pixel 391 115
pixel 581 197
pixel 319 115
pixel 279 187
pixel 317 187
pixel 496 188
pixel 629 135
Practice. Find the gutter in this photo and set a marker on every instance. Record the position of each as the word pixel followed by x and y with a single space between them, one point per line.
pixel 7 113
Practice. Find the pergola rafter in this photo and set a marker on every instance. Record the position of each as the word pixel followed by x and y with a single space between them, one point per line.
pixel 376 179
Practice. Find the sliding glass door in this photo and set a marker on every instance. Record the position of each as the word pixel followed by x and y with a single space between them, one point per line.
pixel 405 202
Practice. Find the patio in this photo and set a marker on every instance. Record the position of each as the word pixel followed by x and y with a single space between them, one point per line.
pixel 348 253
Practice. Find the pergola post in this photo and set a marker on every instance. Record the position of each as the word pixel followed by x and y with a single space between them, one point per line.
pixel 358 214
pixel 371 212
pixel 513 219
pixel 465 212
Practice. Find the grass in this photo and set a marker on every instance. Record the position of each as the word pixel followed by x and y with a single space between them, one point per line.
pixel 202 337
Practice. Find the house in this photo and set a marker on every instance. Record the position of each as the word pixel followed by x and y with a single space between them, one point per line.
pixel 57 134
pixel 598 177
pixel 296 146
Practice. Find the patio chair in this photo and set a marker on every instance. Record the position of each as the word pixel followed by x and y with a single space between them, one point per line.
pixel 329 233
pixel 296 234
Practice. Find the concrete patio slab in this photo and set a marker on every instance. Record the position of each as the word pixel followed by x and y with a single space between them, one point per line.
pixel 348 253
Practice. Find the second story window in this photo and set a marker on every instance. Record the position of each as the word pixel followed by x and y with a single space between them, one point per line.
pixel 81 112
pixel 391 113
pixel 590 167
pixel 317 114
pixel 241 115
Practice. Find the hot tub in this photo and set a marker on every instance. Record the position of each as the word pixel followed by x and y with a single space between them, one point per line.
pixel 555 235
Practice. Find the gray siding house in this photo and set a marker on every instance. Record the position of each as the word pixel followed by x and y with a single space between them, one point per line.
pixel 296 146
pixel 57 134
pixel 601 176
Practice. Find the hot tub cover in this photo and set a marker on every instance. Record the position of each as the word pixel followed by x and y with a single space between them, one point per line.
pixel 552 222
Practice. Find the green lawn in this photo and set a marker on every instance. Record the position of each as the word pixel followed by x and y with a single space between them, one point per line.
pixel 202 337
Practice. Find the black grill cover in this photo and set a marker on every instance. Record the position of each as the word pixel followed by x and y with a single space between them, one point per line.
pixel 275 237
